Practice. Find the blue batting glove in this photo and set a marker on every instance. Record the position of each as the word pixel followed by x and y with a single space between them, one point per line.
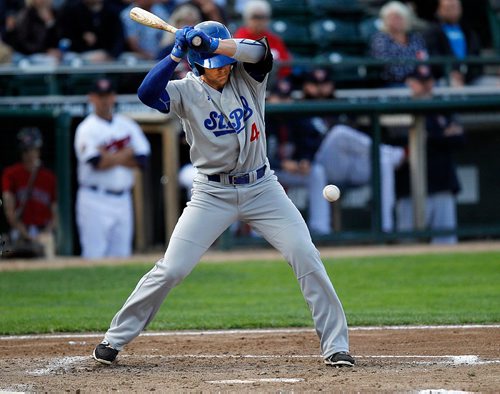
pixel 208 44
pixel 181 45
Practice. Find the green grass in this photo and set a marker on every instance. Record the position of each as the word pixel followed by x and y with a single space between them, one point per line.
pixel 423 289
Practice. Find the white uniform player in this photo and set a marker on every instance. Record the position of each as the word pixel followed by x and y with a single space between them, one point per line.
pixel 221 106
pixel 108 146
pixel 345 154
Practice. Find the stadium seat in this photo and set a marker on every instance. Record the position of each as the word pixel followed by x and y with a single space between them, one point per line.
pixel 328 32
pixel 33 85
pixel 494 20
pixel 340 71
pixel 335 6
pixel 292 31
pixel 369 26
pixel 78 84
pixel 289 7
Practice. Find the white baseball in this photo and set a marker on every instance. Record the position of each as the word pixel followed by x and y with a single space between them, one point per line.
pixel 331 193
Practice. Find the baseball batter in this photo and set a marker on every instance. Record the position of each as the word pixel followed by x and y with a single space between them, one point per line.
pixel 221 107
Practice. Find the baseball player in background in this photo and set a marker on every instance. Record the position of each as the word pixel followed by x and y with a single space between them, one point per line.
pixel 221 107
pixel 29 193
pixel 108 147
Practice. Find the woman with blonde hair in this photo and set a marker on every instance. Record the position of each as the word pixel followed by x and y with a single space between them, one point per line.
pixel 396 42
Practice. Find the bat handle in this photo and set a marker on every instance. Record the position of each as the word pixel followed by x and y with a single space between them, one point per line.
pixel 196 41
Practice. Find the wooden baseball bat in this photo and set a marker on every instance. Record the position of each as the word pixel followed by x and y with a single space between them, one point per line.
pixel 147 18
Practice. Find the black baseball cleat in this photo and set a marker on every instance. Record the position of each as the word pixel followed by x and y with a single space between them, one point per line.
pixel 104 353
pixel 340 359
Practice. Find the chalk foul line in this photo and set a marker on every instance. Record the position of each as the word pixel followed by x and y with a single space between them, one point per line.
pixel 250 331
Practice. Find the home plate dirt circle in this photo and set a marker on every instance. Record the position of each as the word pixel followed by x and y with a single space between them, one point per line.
pixel 444 358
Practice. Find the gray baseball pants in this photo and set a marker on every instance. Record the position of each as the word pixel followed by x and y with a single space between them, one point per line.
pixel 212 209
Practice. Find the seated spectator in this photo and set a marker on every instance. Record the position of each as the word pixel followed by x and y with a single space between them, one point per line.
pixel 444 135
pixel 8 12
pixel 328 150
pixel 142 41
pixel 36 32
pixel 29 198
pixel 256 18
pixel 397 43
pixel 345 151
pixel 450 36
pixel 93 30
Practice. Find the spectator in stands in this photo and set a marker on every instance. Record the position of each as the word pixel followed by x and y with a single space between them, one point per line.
pixel 256 18
pixel 345 154
pixel 36 32
pixel 444 135
pixel 292 145
pixel 142 41
pixel 397 43
pixel 8 11
pixel 450 36
pixel 29 197
pixel 92 29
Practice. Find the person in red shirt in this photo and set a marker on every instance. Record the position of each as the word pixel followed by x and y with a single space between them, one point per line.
pixel 30 211
pixel 256 18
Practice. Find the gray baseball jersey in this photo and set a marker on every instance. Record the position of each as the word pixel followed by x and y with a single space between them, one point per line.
pixel 226 132
pixel 224 129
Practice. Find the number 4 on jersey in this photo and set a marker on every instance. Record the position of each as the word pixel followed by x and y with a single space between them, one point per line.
pixel 255 133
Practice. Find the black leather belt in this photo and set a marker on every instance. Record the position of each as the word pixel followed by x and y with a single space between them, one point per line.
pixel 241 179
pixel 105 191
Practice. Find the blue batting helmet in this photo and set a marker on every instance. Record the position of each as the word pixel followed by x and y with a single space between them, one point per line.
pixel 200 60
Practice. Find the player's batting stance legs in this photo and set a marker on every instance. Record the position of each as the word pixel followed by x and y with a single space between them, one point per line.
pixel 220 207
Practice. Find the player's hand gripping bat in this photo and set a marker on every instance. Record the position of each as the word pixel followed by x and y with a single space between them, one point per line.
pixel 147 18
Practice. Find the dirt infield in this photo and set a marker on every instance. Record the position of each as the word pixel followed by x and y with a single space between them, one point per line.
pixel 404 359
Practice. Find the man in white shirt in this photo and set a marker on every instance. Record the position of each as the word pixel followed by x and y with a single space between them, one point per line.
pixel 108 147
